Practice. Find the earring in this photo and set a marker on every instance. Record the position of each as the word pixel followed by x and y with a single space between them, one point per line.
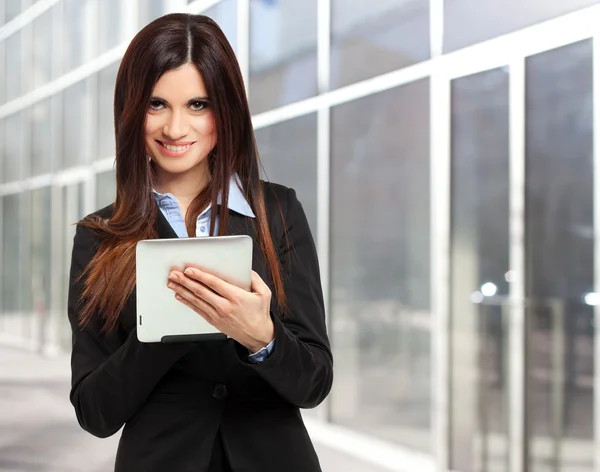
pixel 149 157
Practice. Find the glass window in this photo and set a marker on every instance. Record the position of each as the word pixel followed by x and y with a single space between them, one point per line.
pixel 42 47
pixel 106 188
pixel 150 10
pixel 3 77
pixel 468 22
pixel 74 27
pixel 560 258
pixel 13 147
pixel 14 60
pixel 225 15
pixel 106 130
pixel 11 249
pixel 41 138
pixel 283 52
pixel 72 210
pixel 12 9
pixel 288 152
pixel 41 261
pixel 76 108
pixel 2 152
pixel 110 25
pixel 380 269
pixel 369 38
pixel 479 271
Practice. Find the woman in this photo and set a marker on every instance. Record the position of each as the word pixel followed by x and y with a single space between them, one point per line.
pixel 187 165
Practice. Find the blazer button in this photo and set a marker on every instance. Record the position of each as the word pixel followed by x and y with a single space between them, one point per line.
pixel 220 391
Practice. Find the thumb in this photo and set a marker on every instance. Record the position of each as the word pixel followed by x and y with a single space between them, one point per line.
pixel 259 286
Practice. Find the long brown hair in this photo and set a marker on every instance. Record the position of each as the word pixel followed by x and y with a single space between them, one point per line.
pixel 165 44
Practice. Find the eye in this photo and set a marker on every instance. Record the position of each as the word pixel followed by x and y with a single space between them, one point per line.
pixel 156 105
pixel 198 105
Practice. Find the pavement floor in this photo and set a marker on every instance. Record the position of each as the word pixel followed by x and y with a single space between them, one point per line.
pixel 39 431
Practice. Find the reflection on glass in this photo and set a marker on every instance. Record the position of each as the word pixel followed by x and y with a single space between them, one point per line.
pixel 76 101
pixel 41 49
pixel 2 152
pixel 74 24
pixel 106 188
pixel 479 267
pixel 151 10
pixel 369 38
pixel 106 130
pixel 14 61
pixel 2 76
pixel 560 258
pixel 41 138
pixel 380 269
pixel 225 15
pixel 288 152
pixel 41 263
pixel 12 9
pixel 468 22
pixel 11 248
pixel 283 52
pixel 110 18
pixel 13 147
pixel 72 211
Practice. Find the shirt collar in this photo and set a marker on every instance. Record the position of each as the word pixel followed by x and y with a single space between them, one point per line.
pixel 236 201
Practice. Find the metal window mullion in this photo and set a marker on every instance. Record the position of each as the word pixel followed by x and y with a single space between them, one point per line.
pixel 91 37
pixel 323 167
pixel 1 254
pixel 323 45
pixel 596 197
pixel 440 215
pixel 440 263
pixel 25 17
pixel 436 28
pixel 198 6
pixel 323 220
pixel 130 19
pixel 517 369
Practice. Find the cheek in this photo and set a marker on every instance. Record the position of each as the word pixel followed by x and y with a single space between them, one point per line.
pixel 206 127
pixel 152 126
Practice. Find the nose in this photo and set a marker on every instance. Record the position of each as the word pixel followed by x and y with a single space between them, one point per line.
pixel 176 126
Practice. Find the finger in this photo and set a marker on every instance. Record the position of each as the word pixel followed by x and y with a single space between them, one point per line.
pixel 182 293
pixel 189 304
pixel 218 285
pixel 201 291
pixel 259 286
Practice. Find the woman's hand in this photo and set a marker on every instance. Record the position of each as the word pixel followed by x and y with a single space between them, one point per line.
pixel 243 316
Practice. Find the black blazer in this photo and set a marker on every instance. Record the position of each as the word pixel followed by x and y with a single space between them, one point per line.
pixel 174 399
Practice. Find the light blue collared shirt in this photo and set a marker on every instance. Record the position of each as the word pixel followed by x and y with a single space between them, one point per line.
pixel 169 206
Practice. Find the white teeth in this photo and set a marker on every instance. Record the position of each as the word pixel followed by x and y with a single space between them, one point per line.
pixel 175 148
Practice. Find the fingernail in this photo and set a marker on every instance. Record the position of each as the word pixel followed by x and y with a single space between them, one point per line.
pixel 172 276
pixel 169 284
pixel 189 271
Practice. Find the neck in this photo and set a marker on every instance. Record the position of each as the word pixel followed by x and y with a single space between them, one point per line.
pixel 185 186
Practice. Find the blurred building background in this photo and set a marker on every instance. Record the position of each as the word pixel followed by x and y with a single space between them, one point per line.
pixel 446 153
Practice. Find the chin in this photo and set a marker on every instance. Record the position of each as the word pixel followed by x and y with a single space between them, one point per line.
pixel 180 165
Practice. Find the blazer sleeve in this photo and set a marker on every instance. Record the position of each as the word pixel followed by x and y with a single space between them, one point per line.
pixel 300 368
pixel 112 374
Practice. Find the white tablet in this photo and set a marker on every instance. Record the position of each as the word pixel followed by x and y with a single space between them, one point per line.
pixel 160 317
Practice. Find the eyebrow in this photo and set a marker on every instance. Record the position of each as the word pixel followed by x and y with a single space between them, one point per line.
pixel 194 99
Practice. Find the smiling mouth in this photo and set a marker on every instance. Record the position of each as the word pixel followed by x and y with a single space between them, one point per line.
pixel 176 147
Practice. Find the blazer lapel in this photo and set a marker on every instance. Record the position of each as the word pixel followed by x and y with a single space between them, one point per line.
pixel 239 224
pixel 163 227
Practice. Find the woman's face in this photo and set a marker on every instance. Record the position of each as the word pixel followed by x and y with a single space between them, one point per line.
pixel 180 126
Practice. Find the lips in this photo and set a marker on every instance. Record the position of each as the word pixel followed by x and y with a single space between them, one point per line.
pixel 175 149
